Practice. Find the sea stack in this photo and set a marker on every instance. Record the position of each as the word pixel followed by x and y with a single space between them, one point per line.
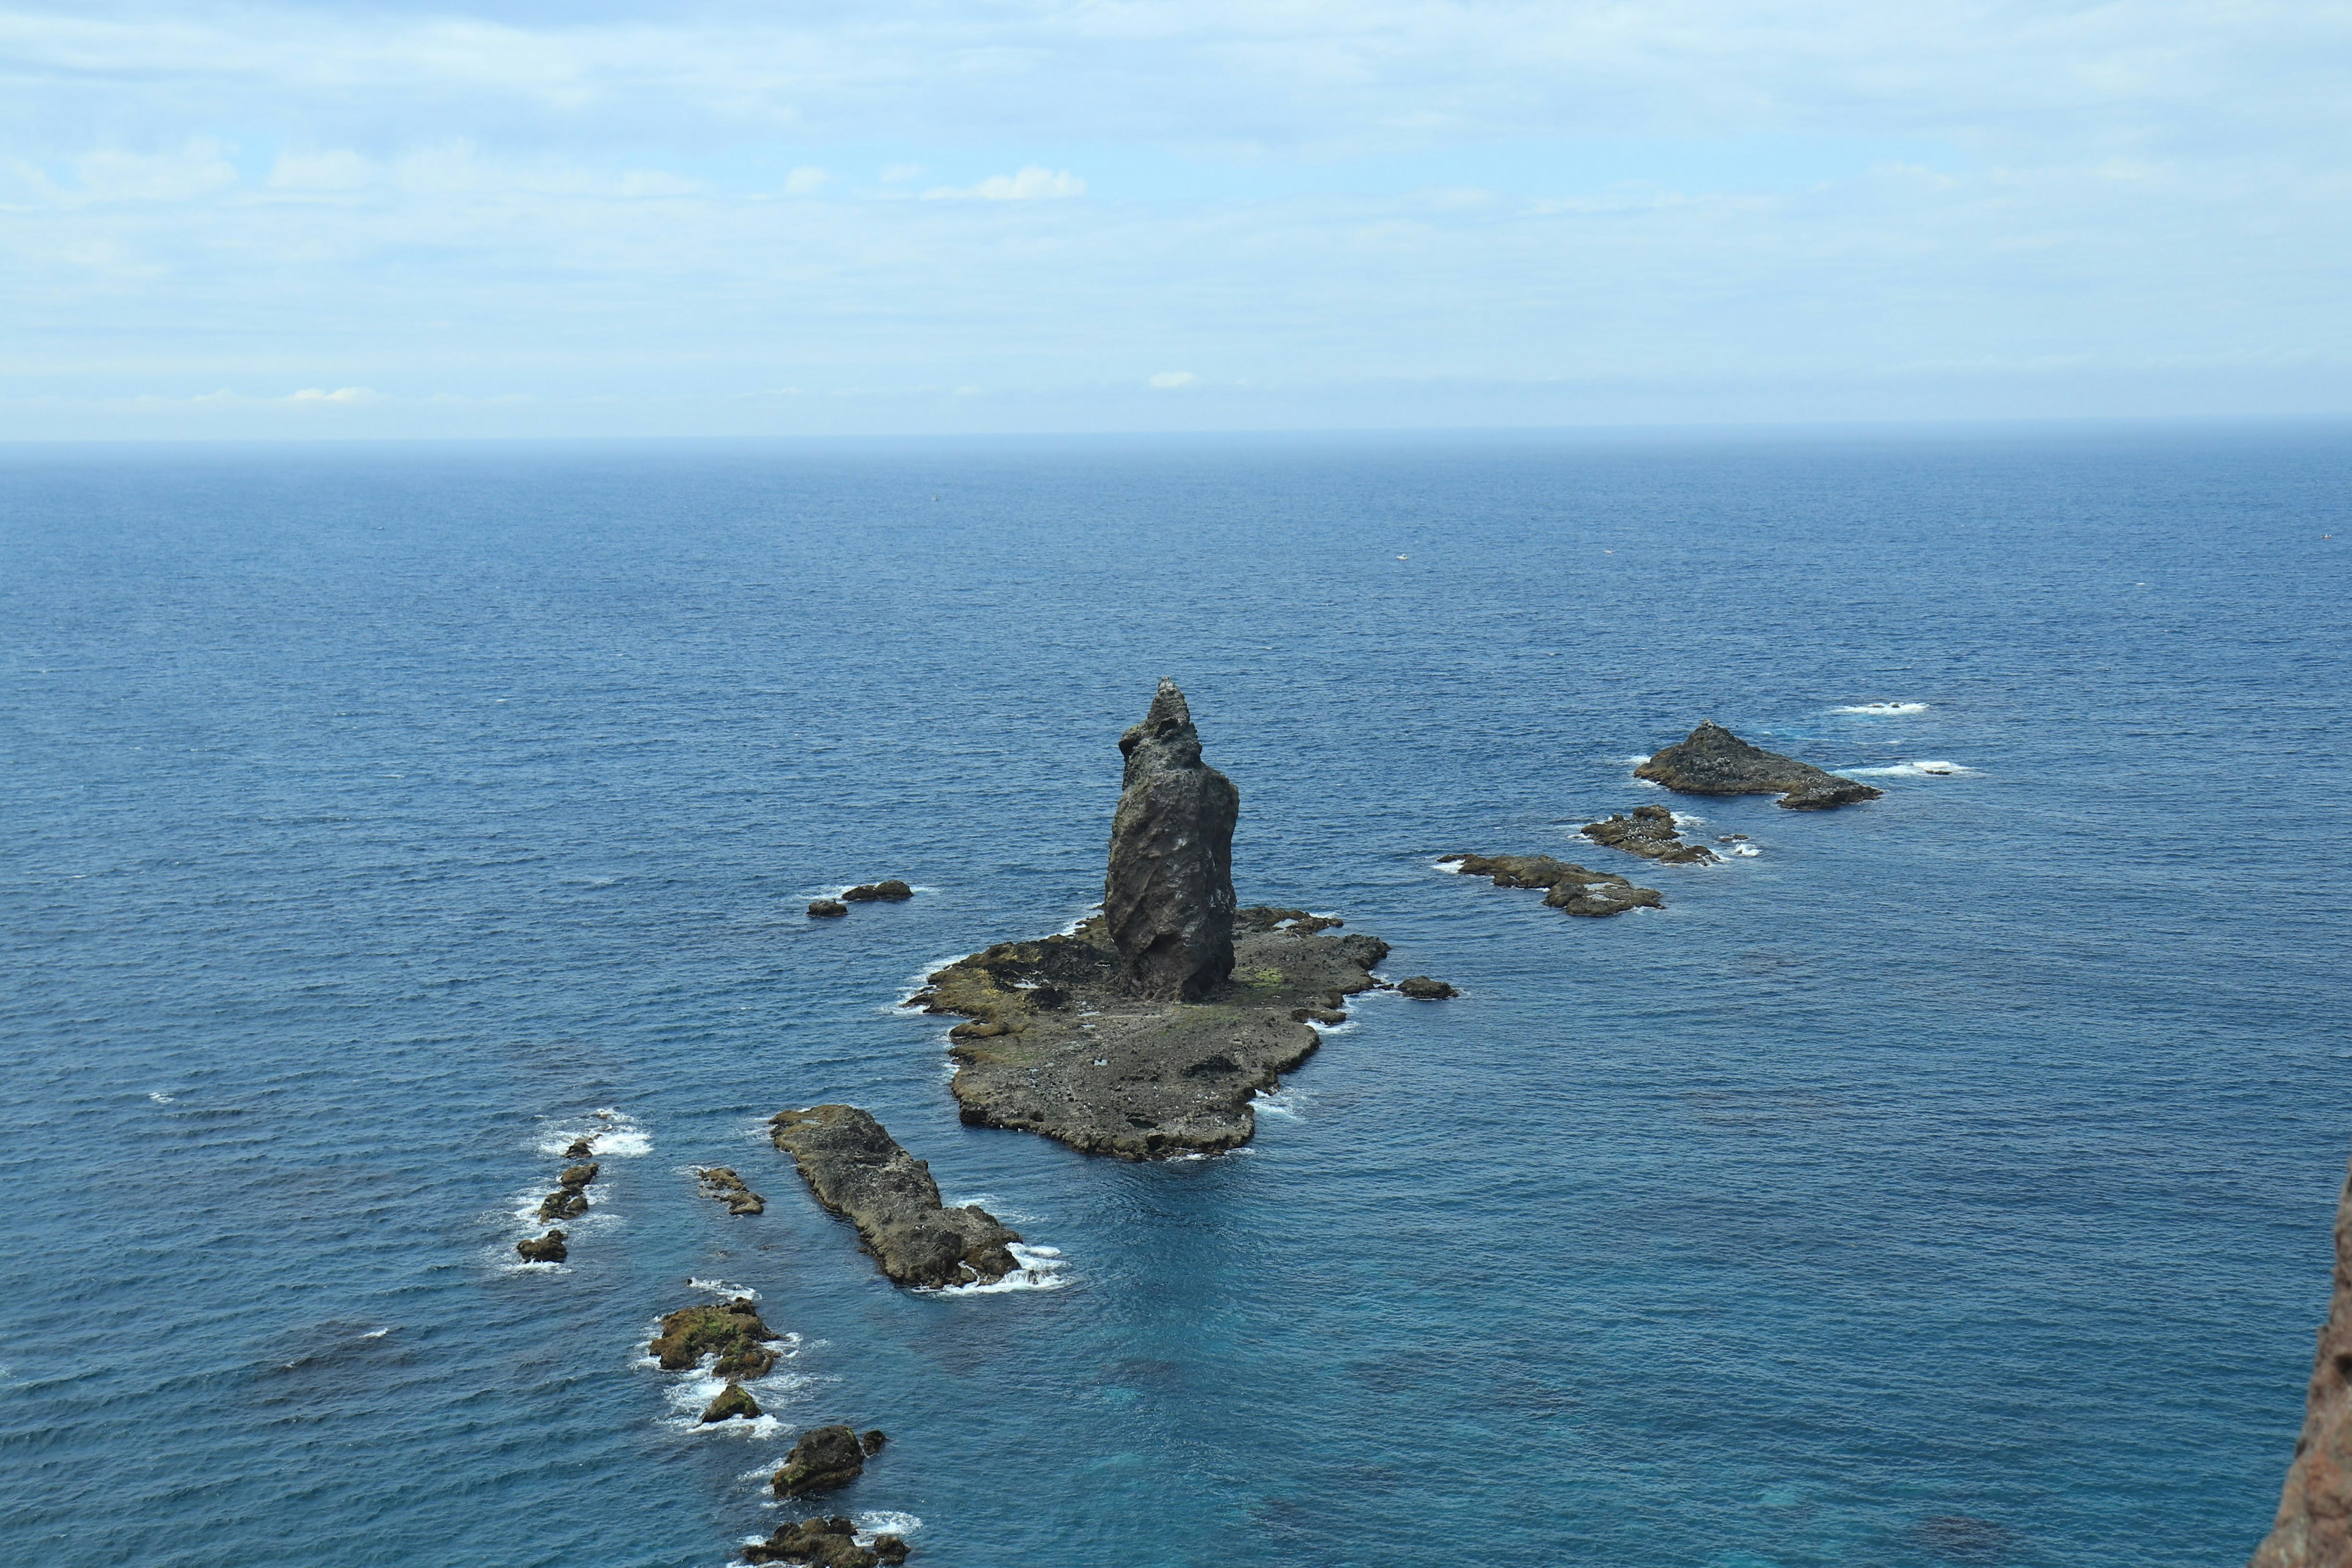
pixel 1711 759
pixel 2313 1527
pixel 1168 899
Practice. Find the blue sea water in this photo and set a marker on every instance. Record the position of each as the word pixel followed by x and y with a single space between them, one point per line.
pixel 1949 1183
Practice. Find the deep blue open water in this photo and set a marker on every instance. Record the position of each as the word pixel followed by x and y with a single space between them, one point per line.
pixel 1947 1183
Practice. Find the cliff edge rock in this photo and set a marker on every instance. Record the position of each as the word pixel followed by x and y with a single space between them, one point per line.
pixel 2313 1526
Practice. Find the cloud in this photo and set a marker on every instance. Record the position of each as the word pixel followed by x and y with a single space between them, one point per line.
pixel 804 181
pixel 1170 380
pixel 1032 183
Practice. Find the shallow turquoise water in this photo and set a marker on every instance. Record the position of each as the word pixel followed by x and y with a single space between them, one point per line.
pixel 1947 1183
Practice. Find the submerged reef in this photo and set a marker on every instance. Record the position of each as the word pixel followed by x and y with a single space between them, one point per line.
pixel 1711 759
pixel 858 1170
pixel 1648 831
pixel 2313 1525
pixel 1571 887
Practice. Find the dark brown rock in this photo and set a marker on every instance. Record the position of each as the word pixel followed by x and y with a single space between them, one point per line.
pixel 1648 831
pixel 580 1150
pixel 1168 898
pixel 547 1248
pixel 858 1170
pixel 868 892
pixel 720 1182
pixel 1572 888
pixel 732 1403
pixel 827 908
pixel 1711 759
pixel 1422 988
pixel 2313 1528
pixel 824 1459
pixel 872 1442
pixel 891 1548
pixel 731 1330
pixel 564 1202
pixel 578 1176
pixel 822 1544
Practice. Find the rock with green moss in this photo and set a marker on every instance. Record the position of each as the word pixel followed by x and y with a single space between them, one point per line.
pixel 720 1182
pixel 731 1330
pixel 825 1543
pixel 856 1169
pixel 734 1403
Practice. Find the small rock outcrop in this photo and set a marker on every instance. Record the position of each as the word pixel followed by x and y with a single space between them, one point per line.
pixel 720 1182
pixel 2313 1525
pixel 868 892
pixel 580 1148
pixel 824 1459
pixel 1168 898
pixel 1648 831
pixel 547 1248
pixel 1571 887
pixel 570 1198
pixel 1422 988
pixel 873 1440
pixel 858 1170
pixel 827 908
pixel 826 1543
pixel 733 1403
pixel 1711 759
pixel 731 1330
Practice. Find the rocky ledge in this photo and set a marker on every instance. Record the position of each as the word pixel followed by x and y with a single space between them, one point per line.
pixel 859 1171
pixel 2313 1525
pixel 720 1182
pixel 1572 888
pixel 826 1543
pixel 731 1330
pixel 1711 759
pixel 1056 1045
pixel 1648 831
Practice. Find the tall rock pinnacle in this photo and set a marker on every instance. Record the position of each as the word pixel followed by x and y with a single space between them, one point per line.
pixel 1168 897
pixel 2313 1528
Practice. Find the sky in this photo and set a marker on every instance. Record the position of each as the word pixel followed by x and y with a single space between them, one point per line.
pixel 607 218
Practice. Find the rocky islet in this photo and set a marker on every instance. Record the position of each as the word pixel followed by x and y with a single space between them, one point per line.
pixel 731 1330
pixel 1648 831
pixel 1711 759
pixel 856 1169
pixel 720 1182
pixel 826 1543
pixel 1568 886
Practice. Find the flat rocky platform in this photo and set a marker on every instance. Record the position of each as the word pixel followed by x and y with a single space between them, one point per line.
pixel 1055 1046
pixel 859 1171
pixel 1571 888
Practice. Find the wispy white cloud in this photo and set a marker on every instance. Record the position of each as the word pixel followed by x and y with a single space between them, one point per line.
pixel 1032 183
pixel 1171 380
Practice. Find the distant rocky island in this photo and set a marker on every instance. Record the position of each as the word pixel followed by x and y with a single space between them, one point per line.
pixel 1145 1032
pixel 1711 759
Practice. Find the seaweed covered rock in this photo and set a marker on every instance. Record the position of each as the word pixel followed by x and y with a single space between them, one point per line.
pixel 1571 888
pixel 889 892
pixel 825 1543
pixel 1711 759
pixel 858 1170
pixel 547 1248
pixel 720 1182
pixel 731 1330
pixel 1648 831
pixel 1168 896
pixel 2313 1528
pixel 734 1402
pixel 824 1459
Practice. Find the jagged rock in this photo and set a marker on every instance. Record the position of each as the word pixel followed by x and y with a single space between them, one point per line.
pixel 825 1543
pixel 720 1182
pixel 734 1331
pixel 858 1170
pixel 867 893
pixel 547 1248
pixel 1422 988
pixel 732 1402
pixel 824 1459
pixel 564 1202
pixel 827 908
pixel 1648 831
pixel 580 1150
pixel 1711 759
pixel 1168 898
pixel 1572 888
pixel 1263 918
pixel 2313 1528
pixel 872 1442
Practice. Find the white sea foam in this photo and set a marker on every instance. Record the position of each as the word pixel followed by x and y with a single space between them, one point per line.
pixel 1684 819
pixel 721 1288
pixel 1280 1102
pixel 161 1098
pixel 870 1525
pixel 376 1334
pixel 1041 1268
pixel 1883 708
pixel 1745 851
pixel 612 1135
pixel 1924 768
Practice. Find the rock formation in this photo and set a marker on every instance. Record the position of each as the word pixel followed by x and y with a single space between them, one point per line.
pixel 1422 988
pixel 1648 831
pixel 1571 888
pixel 570 1198
pixel 547 1248
pixel 1168 899
pixel 732 1402
pixel 824 1459
pixel 732 1331
pixel 1713 761
pixel 858 1170
pixel 867 893
pixel 826 1543
pixel 720 1182
pixel 827 908
pixel 2313 1526
pixel 580 1148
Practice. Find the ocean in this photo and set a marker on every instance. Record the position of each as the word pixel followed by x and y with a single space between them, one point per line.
pixel 1949 1182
